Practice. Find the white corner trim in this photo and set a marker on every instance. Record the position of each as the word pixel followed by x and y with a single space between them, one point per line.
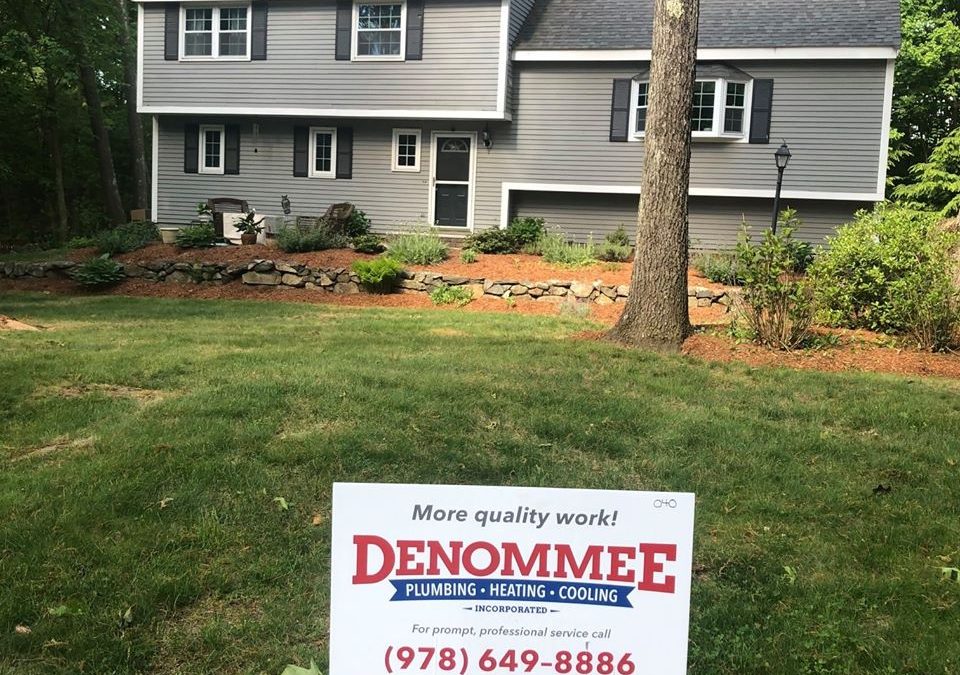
pixel 364 113
pixel 592 188
pixel 504 59
pixel 140 34
pixel 155 171
pixel 731 54
pixel 885 127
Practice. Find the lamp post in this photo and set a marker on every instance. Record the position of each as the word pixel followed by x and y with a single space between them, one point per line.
pixel 782 156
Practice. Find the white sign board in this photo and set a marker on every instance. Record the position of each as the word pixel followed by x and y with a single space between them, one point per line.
pixel 470 580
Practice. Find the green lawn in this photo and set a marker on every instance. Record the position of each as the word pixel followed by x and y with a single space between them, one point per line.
pixel 35 255
pixel 175 424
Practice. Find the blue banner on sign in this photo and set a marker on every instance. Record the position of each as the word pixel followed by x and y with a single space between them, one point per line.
pixel 511 590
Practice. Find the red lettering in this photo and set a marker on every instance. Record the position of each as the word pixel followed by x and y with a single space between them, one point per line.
pixel 492 551
pixel 618 563
pixel 512 555
pixel 591 558
pixel 363 544
pixel 653 566
pixel 408 551
pixel 437 554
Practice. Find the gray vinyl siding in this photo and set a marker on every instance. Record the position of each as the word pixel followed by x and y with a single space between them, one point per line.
pixel 519 11
pixel 391 199
pixel 830 113
pixel 715 222
pixel 459 70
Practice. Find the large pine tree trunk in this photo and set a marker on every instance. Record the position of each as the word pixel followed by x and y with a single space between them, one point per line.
pixel 108 176
pixel 656 314
pixel 134 121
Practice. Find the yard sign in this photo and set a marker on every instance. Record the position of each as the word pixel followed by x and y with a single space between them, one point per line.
pixel 469 580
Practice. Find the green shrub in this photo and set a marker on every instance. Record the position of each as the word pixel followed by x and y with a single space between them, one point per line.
pixel 98 272
pixel 557 250
pixel 468 255
pixel 358 225
pixel 776 302
pixel 82 242
pixel 196 235
pixel 492 241
pixel 871 264
pixel 451 295
pixel 526 231
pixel 126 238
pixel 800 251
pixel 610 252
pixel 368 243
pixel 719 267
pixel 379 275
pixel 418 248
pixel 316 237
pixel 619 237
pixel 927 303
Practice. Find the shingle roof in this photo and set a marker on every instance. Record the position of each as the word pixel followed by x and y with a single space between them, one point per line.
pixel 628 24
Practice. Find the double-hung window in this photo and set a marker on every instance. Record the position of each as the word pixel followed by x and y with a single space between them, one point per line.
pixel 211 149
pixel 718 110
pixel 217 32
pixel 323 153
pixel 379 30
pixel 406 150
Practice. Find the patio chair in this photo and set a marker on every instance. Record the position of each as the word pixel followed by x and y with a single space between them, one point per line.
pixel 221 205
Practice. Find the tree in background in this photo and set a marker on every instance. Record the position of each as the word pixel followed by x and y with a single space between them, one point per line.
pixel 656 314
pixel 926 104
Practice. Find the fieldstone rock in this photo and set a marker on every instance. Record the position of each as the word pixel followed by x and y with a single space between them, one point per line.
pixel 179 277
pixel 62 265
pixel 704 302
pixel 477 290
pixel 519 289
pixel 157 265
pixel 343 277
pixel 604 300
pixel 136 271
pixel 346 288
pixel 557 291
pixel 704 293
pixel 724 300
pixel 556 299
pixel 262 267
pixel 455 281
pixel 623 291
pixel 324 280
pixel 38 270
pixel 542 285
pixel 412 285
pixel 286 268
pixel 608 291
pixel 536 292
pixel 581 290
pixel 261 279
pixel 562 284
pixel 291 279
pixel 495 289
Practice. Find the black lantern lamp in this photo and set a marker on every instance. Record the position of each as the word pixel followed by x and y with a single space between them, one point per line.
pixel 782 155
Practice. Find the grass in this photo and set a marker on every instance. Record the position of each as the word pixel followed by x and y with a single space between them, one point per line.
pixel 143 443
pixel 35 255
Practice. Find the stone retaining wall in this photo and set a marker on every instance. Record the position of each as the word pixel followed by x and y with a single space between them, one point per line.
pixel 344 282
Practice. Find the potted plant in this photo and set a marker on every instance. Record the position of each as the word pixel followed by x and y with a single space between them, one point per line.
pixel 249 227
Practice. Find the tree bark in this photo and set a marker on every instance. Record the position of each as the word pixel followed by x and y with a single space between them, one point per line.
pixel 51 135
pixel 656 314
pixel 134 121
pixel 101 137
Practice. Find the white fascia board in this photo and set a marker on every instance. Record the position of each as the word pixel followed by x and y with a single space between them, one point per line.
pixel 358 113
pixel 732 54
pixel 885 128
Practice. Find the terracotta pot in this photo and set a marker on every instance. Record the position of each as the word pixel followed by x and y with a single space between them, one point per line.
pixel 248 238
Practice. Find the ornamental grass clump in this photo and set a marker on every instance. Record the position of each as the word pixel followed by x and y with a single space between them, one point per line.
pixel 197 235
pixel 776 302
pixel 558 251
pixel 418 248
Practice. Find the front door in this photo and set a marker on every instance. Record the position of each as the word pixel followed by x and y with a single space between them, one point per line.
pixel 452 174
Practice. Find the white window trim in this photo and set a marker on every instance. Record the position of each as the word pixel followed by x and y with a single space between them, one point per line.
pixel 718 134
pixel 354 30
pixel 396 150
pixel 215 38
pixel 202 163
pixel 312 172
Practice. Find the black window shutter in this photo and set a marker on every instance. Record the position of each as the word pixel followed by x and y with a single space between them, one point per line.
pixel 258 37
pixel 344 152
pixel 415 30
pixel 191 148
pixel 344 29
pixel 761 111
pixel 620 111
pixel 301 151
pixel 231 150
pixel 171 32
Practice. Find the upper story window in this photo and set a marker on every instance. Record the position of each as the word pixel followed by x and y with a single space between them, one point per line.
pixel 217 32
pixel 719 108
pixel 379 30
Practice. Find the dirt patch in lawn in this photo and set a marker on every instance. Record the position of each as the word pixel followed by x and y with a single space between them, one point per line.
pixel 57 447
pixel 6 323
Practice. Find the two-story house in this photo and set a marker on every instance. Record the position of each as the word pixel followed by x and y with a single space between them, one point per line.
pixel 464 113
